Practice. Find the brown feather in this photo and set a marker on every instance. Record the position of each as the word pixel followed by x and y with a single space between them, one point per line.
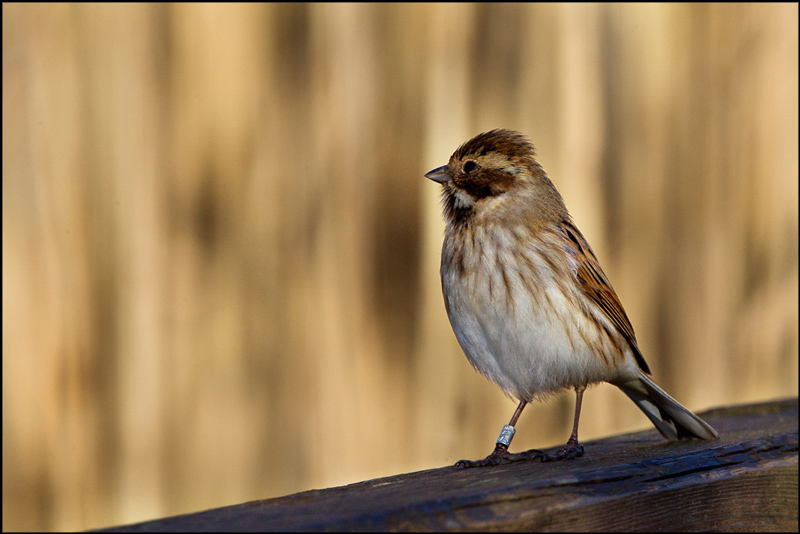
pixel 596 286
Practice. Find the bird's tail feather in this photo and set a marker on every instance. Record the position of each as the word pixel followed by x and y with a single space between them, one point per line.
pixel 670 418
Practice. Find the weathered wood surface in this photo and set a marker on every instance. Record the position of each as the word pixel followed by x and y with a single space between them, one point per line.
pixel 746 481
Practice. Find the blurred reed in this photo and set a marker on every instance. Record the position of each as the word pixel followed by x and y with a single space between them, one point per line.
pixel 220 257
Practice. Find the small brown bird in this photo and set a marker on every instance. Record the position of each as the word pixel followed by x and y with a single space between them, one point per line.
pixel 527 299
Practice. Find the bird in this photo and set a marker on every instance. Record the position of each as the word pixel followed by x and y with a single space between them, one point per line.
pixel 526 297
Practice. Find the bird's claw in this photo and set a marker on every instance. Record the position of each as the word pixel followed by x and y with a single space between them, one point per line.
pixel 501 456
pixel 572 450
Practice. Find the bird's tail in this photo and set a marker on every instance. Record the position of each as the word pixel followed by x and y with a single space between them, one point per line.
pixel 670 418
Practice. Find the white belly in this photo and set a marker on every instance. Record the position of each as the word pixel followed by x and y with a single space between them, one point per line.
pixel 518 328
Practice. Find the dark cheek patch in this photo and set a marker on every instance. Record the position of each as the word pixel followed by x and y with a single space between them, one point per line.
pixel 485 183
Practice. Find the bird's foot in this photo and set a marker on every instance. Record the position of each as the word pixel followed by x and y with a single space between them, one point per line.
pixel 572 450
pixel 501 456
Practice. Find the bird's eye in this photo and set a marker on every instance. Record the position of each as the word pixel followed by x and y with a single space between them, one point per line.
pixel 470 166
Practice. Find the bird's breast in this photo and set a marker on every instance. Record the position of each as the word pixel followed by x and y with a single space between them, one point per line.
pixel 512 300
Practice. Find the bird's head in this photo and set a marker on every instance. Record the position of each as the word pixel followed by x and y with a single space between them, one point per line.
pixel 492 170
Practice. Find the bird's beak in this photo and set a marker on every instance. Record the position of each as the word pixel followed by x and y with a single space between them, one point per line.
pixel 440 174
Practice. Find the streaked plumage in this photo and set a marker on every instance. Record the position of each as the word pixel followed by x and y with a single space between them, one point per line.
pixel 526 297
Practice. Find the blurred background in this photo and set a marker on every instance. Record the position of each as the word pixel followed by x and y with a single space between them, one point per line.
pixel 220 256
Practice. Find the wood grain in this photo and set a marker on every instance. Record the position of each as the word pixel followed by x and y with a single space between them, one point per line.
pixel 746 481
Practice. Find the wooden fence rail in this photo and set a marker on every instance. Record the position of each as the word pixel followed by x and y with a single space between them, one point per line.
pixel 746 481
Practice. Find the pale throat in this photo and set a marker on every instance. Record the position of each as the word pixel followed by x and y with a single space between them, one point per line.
pixel 463 200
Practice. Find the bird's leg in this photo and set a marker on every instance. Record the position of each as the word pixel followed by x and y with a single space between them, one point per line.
pixel 500 455
pixel 572 449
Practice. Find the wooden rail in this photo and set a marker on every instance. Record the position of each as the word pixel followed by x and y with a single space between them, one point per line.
pixel 746 481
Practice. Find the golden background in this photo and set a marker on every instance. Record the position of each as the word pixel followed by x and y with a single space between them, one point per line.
pixel 220 256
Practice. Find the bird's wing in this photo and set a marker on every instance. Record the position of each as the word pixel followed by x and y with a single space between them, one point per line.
pixel 596 286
